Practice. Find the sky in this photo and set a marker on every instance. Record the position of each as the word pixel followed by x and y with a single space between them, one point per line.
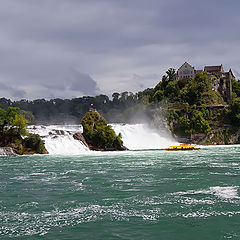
pixel 72 48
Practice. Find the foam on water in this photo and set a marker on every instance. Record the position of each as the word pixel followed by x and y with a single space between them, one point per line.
pixel 221 192
pixel 145 194
pixel 225 192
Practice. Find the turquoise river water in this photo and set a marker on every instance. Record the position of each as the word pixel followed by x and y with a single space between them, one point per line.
pixel 122 195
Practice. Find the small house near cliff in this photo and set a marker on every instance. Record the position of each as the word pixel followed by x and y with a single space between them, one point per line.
pixel 221 80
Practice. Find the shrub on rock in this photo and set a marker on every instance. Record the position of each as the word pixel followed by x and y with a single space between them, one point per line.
pixel 98 134
pixel 35 143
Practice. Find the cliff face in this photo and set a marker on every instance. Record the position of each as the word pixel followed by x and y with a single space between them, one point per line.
pixel 220 136
pixel 223 136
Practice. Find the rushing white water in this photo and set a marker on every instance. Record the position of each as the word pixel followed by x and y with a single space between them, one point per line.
pixel 141 136
pixel 59 138
pixel 6 151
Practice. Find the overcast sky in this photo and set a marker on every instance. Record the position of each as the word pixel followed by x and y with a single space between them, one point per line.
pixel 71 48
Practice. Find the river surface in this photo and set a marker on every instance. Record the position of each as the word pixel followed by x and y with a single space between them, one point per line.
pixel 122 195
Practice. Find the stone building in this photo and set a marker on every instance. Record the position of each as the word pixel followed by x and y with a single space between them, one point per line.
pixel 214 69
pixel 221 81
pixel 186 71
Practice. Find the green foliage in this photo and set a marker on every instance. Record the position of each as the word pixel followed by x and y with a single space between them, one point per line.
pixel 172 90
pixel 194 91
pixel 158 96
pixel 191 119
pixel 171 73
pixel 236 87
pixel 185 95
pixel 191 91
pixel 234 111
pixel 172 115
pixel 34 142
pixel 13 126
pixel 12 121
pixel 200 125
pixel 185 124
pixel 20 125
pixel 204 111
pixel 182 83
pixel 28 116
pixel 98 133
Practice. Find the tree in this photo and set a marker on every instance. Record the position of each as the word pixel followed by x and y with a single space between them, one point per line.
pixel 171 73
pixel 158 96
pixel 115 96
pixel 172 90
pixel 236 87
pixel 234 111
pixel 11 120
pixel 124 96
pixel 19 124
pixel 185 124
pixel 200 125
pixel 27 115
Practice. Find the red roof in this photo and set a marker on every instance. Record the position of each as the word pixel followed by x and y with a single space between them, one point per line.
pixel 213 68
pixel 199 71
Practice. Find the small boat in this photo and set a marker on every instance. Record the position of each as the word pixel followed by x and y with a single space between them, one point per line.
pixel 182 147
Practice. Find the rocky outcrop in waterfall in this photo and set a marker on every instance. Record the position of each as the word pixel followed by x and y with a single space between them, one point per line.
pixel 98 135
pixel 78 136
pixel 14 144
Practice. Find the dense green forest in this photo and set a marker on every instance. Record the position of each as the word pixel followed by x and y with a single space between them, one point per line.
pixel 57 111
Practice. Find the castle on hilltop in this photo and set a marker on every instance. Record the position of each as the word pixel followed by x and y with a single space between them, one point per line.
pixel 221 81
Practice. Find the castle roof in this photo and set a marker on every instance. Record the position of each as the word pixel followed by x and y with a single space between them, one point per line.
pixel 198 71
pixel 230 71
pixel 213 68
pixel 186 63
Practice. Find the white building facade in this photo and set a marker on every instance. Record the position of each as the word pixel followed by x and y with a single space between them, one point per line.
pixel 186 71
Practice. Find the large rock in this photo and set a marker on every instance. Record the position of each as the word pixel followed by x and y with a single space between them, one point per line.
pixel 78 136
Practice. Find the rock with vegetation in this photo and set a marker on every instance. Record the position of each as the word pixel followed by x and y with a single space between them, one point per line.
pixel 14 135
pixel 100 136
pixel 34 144
pixel 222 136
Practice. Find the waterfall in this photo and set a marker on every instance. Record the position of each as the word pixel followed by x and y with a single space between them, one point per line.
pixel 59 138
pixel 141 136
